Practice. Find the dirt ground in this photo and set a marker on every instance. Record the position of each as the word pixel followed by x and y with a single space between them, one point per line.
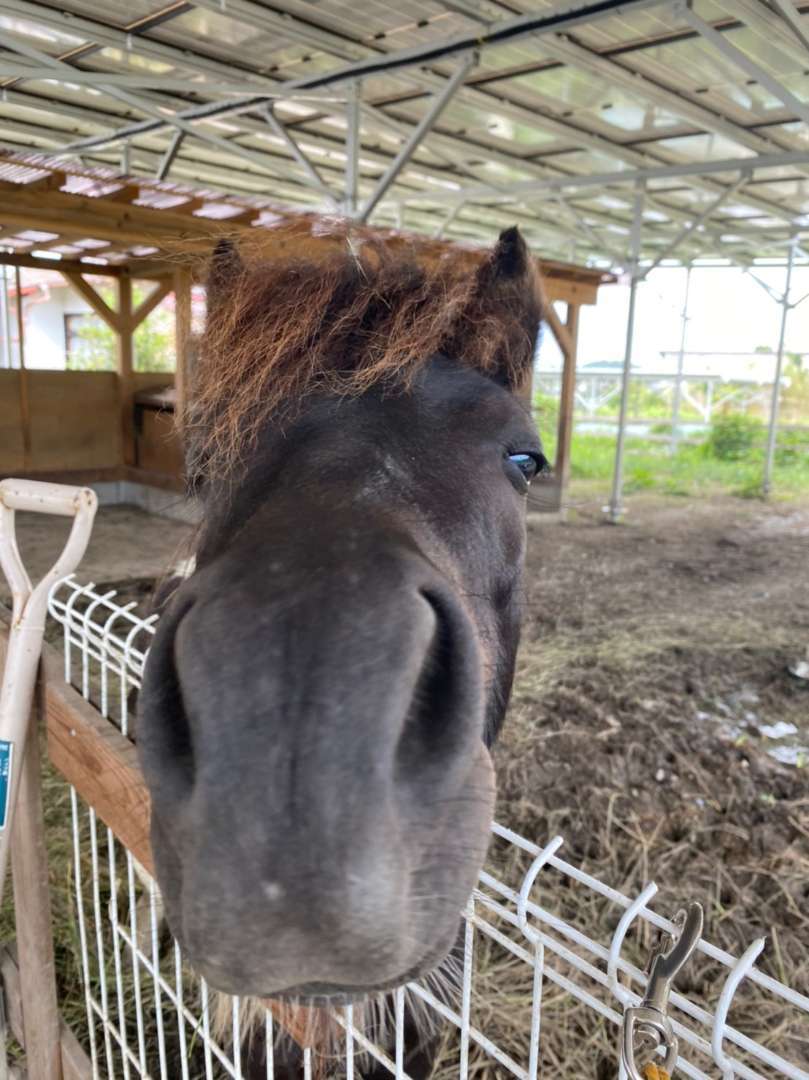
pixel 654 723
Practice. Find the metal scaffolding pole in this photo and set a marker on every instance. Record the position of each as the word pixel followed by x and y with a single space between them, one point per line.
pixel 352 148
pixel 678 384
pixel 615 509
pixel 779 364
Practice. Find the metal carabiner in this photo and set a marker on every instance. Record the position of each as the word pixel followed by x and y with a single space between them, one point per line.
pixel 650 1018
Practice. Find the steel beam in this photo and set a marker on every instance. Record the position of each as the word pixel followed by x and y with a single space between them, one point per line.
pixel 700 219
pixel 615 509
pixel 440 102
pixel 302 159
pixel 626 176
pixel 772 429
pixel 508 30
pixel 352 148
pixel 790 14
pixel 167 160
pixel 744 62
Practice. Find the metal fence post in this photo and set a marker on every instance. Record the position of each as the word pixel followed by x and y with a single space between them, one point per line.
pixel 615 508
pixel 678 383
pixel 772 431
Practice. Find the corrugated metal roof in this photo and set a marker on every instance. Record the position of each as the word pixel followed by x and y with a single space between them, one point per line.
pixel 635 86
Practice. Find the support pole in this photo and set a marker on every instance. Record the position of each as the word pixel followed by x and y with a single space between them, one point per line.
pixel 567 404
pixel 32 908
pixel 25 404
pixel 678 383
pixel 125 368
pixel 5 321
pixel 772 432
pixel 182 335
pixel 352 147
pixel 615 508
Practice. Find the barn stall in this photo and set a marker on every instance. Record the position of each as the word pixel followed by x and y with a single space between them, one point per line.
pixel 717 173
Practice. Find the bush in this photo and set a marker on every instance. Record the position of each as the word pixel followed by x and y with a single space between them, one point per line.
pixel 733 436
pixel 792 448
pixel 546 407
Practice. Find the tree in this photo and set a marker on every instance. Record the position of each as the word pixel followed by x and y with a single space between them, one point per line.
pixel 93 346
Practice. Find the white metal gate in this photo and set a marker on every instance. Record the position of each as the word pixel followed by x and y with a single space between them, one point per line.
pixel 149 1016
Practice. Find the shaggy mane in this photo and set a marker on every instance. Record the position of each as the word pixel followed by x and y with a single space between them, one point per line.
pixel 342 310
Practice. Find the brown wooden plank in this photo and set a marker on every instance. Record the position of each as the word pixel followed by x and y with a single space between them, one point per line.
pixel 126 363
pixel 182 334
pixel 25 407
pixel 159 449
pixel 567 403
pixel 98 761
pixel 76 265
pixel 75 420
pixel 12 457
pixel 75 1063
pixel 32 914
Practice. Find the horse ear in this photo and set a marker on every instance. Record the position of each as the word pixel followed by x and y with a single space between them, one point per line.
pixel 510 257
pixel 224 270
pixel 506 310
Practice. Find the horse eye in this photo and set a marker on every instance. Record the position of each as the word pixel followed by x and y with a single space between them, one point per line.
pixel 528 464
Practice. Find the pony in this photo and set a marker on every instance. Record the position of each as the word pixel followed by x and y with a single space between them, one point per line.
pixel 323 690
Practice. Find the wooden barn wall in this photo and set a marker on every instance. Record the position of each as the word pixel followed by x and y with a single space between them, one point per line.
pixel 74 421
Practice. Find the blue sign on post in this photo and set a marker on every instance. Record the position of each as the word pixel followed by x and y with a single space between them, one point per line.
pixel 6 755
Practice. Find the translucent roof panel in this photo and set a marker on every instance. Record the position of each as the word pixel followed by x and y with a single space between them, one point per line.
pixel 554 127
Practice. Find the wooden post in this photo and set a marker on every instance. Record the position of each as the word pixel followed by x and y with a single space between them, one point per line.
pixel 32 910
pixel 182 335
pixel 25 407
pixel 567 400
pixel 125 367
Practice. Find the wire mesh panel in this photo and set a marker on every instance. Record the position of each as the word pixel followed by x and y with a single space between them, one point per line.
pixel 525 967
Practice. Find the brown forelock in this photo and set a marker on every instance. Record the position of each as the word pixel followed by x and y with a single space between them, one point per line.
pixel 340 313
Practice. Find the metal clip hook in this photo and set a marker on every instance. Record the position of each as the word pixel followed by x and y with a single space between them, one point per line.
pixel 650 1017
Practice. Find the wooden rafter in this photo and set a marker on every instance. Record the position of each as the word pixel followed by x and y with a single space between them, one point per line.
pixel 114 218
pixel 93 298
pixel 147 306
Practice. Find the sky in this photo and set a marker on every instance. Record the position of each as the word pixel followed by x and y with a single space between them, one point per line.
pixel 728 312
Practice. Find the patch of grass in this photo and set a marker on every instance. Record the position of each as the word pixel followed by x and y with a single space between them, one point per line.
pixel 692 470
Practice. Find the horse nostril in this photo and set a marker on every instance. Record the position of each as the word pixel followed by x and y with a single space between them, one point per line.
pixel 441 710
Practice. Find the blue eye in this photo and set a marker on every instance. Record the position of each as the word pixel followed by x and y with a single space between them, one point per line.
pixel 528 464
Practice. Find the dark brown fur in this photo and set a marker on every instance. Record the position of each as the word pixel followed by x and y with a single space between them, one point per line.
pixel 363 313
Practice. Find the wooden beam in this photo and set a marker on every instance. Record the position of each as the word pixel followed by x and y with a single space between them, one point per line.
pixel 73 265
pixel 559 330
pixel 567 403
pixel 32 914
pixel 96 302
pixel 75 1063
pixel 126 389
pixel 106 219
pixel 52 182
pixel 25 403
pixel 147 306
pixel 182 335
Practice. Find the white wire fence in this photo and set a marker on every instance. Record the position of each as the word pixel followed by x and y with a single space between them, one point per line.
pixel 148 1015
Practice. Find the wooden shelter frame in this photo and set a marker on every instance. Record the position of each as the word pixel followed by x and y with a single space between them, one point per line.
pixel 116 211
